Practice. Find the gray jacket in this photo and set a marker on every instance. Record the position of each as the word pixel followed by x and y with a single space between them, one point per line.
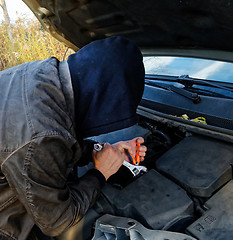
pixel 38 149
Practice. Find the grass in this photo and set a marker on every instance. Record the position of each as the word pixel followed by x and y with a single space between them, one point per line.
pixel 28 41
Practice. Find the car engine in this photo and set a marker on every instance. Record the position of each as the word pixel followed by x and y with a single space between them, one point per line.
pixel 188 188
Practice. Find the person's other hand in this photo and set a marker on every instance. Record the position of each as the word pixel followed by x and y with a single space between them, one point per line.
pixel 110 158
pixel 133 148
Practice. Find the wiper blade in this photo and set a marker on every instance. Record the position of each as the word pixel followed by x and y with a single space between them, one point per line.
pixel 185 93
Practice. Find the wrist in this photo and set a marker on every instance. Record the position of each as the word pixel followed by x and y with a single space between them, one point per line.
pixel 103 172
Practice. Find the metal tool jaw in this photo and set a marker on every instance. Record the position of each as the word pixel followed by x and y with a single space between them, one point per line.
pixel 135 169
pixel 98 147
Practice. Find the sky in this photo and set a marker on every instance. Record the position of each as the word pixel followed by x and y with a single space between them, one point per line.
pixel 16 8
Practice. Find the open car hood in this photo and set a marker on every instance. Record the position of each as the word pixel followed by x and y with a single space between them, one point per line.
pixel 152 24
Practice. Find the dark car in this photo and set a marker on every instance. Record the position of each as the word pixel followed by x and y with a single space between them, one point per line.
pixel 185 116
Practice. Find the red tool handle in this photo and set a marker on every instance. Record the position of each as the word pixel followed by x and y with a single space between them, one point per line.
pixel 137 157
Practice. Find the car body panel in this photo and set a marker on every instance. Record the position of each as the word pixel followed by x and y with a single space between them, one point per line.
pixel 168 24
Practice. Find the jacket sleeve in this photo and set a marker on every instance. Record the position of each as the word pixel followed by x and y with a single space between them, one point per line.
pixel 38 171
pixel 87 148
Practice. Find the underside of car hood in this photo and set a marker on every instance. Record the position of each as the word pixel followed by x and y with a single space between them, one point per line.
pixel 151 24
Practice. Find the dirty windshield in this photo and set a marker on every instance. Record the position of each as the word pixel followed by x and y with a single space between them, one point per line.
pixel 194 67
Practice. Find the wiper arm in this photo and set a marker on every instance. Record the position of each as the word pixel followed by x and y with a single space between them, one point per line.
pixel 189 82
pixel 190 95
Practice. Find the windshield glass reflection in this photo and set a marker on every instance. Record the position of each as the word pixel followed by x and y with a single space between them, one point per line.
pixel 194 67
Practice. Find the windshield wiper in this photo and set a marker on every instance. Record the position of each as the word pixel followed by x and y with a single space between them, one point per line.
pixel 189 82
pixel 185 93
pixel 190 95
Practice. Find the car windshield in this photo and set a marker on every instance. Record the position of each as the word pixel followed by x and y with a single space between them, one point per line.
pixel 193 67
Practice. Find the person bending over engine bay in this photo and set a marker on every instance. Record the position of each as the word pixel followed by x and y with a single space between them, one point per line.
pixel 47 110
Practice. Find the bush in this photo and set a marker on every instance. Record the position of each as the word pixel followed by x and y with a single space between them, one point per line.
pixel 27 41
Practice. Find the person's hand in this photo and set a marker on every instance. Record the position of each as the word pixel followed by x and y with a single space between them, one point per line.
pixel 110 158
pixel 133 146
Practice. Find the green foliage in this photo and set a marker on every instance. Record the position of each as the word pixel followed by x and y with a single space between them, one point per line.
pixel 27 42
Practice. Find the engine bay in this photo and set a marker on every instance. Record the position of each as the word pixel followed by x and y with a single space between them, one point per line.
pixel 187 189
